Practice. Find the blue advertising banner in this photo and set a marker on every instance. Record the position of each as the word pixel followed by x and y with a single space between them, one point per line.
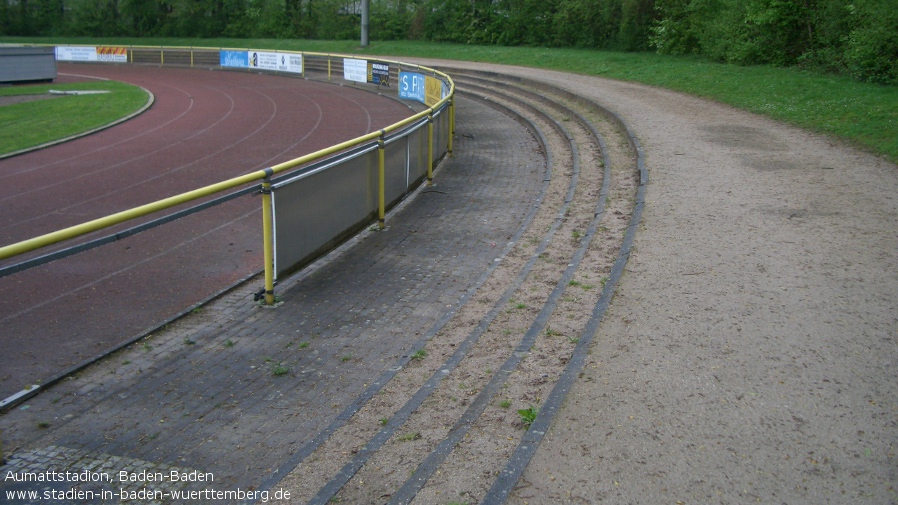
pixel 379 73
pixel 412 86
pixel 239 59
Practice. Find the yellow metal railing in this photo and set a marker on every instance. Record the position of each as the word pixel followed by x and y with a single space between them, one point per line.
pixel 48 239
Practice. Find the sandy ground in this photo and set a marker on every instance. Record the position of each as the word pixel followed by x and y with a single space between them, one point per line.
pixel 750 352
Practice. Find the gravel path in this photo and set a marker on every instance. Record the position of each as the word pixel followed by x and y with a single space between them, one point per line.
pixel 750 352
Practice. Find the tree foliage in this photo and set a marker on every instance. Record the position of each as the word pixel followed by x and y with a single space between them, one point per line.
pixel 857 37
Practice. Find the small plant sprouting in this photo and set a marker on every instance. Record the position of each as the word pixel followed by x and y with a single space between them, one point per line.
pixel 576 234
pixel 43 425
pixel 188 341
pixel 279 369
pixel 505 404
pixel 147 346
pixel 552 333
pixel 580 285
pixel 229 343
pixel 346 358
pixel 383 421
pixel 303 345
pixel 528 415
pixel 408 437
pixel 419 354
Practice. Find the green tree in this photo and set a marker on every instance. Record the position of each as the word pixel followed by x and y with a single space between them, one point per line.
pixel 871 52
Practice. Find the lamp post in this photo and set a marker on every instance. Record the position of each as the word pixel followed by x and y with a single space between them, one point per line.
pixel 365 23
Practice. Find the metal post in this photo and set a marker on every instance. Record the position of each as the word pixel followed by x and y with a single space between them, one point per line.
pixel 451 125
pixel 381 182
pixel 430 149
pixel 268 237
pixel 365 22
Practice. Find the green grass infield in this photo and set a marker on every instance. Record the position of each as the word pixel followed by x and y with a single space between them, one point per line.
pixel 44 117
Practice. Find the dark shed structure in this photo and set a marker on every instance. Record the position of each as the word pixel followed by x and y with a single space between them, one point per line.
pixel 27 64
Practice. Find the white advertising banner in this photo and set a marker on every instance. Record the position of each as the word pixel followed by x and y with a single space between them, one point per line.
pixel 282 62
pixel 70 53
pixel 355 70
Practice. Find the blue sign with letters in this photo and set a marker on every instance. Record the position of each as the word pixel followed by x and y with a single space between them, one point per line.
pixel 411 86
pixel 238 59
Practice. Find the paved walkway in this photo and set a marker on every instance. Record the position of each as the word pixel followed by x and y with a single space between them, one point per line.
pixel 236 388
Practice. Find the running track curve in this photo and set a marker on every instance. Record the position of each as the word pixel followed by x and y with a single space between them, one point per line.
pixel 204 127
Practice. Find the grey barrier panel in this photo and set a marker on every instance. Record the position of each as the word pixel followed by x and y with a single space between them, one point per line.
pixel 316 211
pixel 440 133
pixel 396 179
pixel 417 154
pixel 21 64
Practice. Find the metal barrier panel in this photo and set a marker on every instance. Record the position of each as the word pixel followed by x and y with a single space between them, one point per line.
pixel 20 64
pixel 202 58
pixel 314 212
pixel 417 154
pixel 396 179
pixel 440 133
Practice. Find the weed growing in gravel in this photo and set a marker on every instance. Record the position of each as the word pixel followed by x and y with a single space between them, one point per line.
pixel 419 354
pixel 579 284
pixel 528 415
pixel 408 437
pixel 279 369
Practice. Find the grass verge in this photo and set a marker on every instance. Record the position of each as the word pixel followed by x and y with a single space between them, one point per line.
pixel 864 114
pixel 29 124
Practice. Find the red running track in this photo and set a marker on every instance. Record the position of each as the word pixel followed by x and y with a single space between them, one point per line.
pixel 204 127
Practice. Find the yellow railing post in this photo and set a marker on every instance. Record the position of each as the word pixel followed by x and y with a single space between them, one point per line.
pixel 381 183
pixel 430 149
pixel 328 68
pixel 451 126
pixel 268 237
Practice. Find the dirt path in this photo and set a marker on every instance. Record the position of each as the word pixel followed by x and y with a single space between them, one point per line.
pixel 750 351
